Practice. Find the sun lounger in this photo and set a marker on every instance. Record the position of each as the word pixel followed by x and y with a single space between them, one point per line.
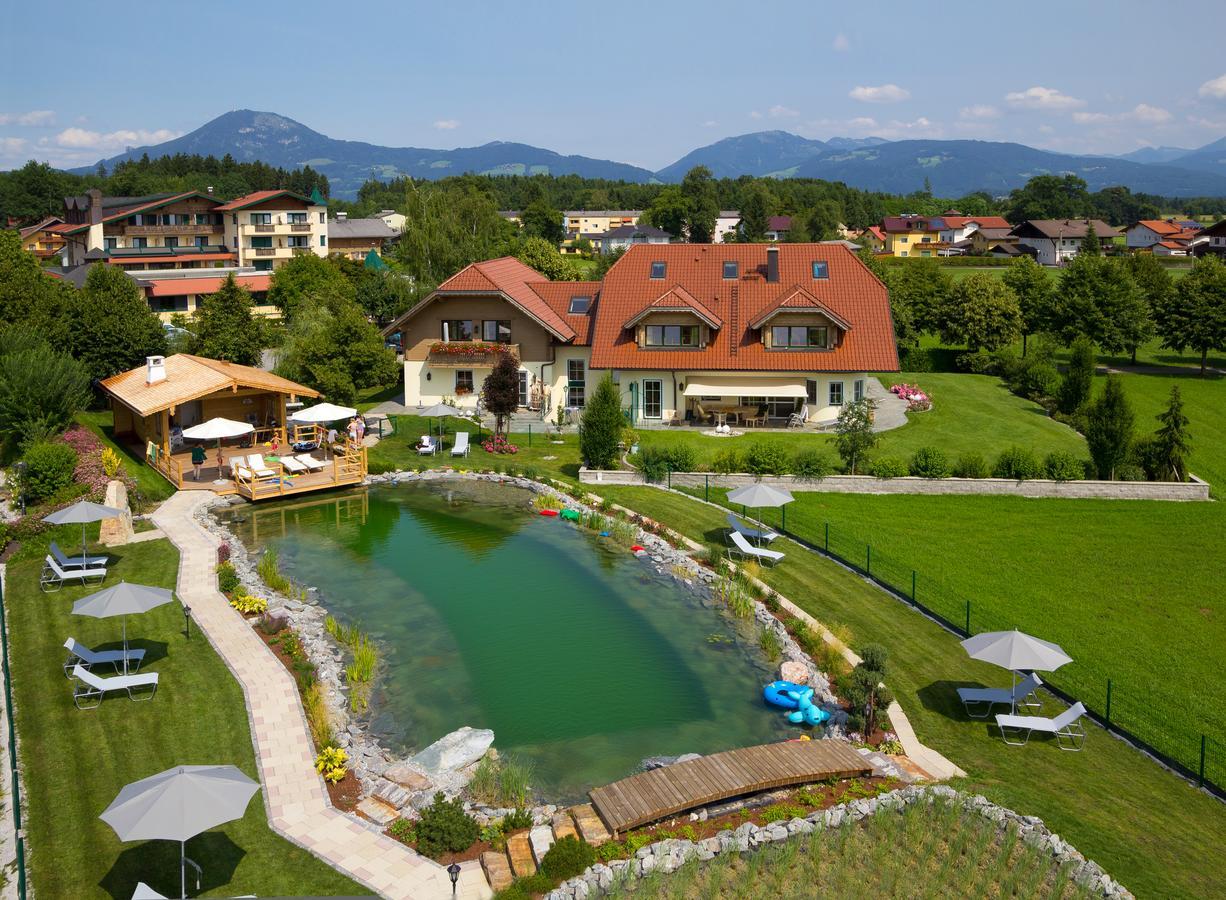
pixel 256 462
pixel 1065 728
pixel 88 691
pixel 989 697
pixel 77 562
pixel 461 444
pixel 312 464
pixel 293 466
pixel 427 447
pixel 79 654
pixel 54 576
pixel 758 534
pixel 745 550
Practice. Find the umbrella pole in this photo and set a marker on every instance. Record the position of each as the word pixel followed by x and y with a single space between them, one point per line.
pixel 125 645
pixel 183 869
pixel 84 552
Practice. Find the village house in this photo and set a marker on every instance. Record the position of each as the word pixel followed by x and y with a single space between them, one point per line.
pixel 356 239
pixel 44 239
pixel 1056 241
pixel 590 222
pixel 621 238
pixel 908 236
pixel 1162 237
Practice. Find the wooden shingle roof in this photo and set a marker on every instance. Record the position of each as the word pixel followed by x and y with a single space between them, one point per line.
pixel 190 378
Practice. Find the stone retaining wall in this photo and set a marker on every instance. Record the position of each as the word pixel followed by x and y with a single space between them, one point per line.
pixel 867 484
pixel 669 855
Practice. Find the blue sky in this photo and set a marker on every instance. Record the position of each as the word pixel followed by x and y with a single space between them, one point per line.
pixel 642 83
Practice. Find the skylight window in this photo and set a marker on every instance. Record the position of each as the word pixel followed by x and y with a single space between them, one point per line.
pixel 657 269
pixel 731 269
pixel 821 269
pixel 579 305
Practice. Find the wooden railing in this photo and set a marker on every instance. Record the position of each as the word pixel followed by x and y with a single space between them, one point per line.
pixel 170 468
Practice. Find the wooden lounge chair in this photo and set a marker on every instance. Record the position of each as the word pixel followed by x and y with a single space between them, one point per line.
pixel 79 654
pixel 741 547
pixel 77 562
pixel 990 697
pixel 89 689
pixel 1065 728
pixel 758 534
pixel 54 576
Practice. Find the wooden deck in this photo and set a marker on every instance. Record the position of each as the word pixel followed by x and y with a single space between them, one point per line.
pixel 650 796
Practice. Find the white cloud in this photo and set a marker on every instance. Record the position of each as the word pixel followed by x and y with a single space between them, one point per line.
pixel 83 139
pixel 863 122
pixel 1214 89
pixel 35 118
pixel 979 111
pixel 710 123
pixel 1151 115
pixel 1043 98
pixel 1142 112
pixel 841 43
pixel 1090 118
pixel 782 112
pixel 882 93
pixel 12 144
pixel 1046 129
pixel 754 114
pixel 447 124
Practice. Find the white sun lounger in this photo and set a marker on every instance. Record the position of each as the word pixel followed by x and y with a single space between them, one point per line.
pixel 77 562
pixel 992 696
pixel 88 691
pixel 461 444
pixel 427 447
pixel 53 576
pixel 1065 728
pixel 742 548
pixel 312 464
pixel 79 654
pixel 256 462
pixel 292 465
pixel 760 534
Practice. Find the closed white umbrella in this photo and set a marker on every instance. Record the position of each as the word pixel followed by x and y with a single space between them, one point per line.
pixel 82 511
pixel 179 804
pixel 217 429
pixel 1015 650
pixel 759 495
pixel 322 413
pixel 122 599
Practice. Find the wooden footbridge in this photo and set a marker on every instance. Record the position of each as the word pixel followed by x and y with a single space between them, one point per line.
pixel 660 793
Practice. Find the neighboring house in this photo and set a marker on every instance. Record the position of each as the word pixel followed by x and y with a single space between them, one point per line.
pixel 685 331
pixel 267 229
pixel 622 237
pixel 986 240
pixel 777 228
pixel 907 236
pixel 44 239
pixel 392 219
pixel 728 222
pixel 1055 241
pixel 1146 234
pixel 356 238
pixel 1171 248
pixel 958 228
pixel 588 222
pixel 174 291
pixel 872 237
pixel 510 215
pixel 1212 240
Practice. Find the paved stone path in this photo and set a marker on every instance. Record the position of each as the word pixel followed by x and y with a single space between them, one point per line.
pixel 294 795
pixel 890 411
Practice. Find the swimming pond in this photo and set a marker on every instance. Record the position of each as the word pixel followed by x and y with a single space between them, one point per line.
pixel 580 657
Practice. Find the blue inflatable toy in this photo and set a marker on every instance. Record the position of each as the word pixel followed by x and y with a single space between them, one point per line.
pixel 798 699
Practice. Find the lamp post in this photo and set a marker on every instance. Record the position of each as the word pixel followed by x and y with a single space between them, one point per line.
pixel 21 467
pixel 187 620
pixel 453 872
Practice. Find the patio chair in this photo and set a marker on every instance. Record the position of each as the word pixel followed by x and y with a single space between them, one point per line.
pixel 1065 728
pixel 79 654
pixel 740 547
pixel 87 693
pixel 798 419
pixel 701 414
pixel 426 447
pixel 293 466
pixel 989 697
pixel 76 562
pixel 53 576
pixel 758 534
pixel 312 464
pixel 461 444
pixel 256 462
pixel 758 419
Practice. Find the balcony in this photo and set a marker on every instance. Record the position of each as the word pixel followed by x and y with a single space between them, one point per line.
pixel 264 251
pixel 468 354
pixel 299 226
pixel 300 251
pixel 265 229
pixel 171 229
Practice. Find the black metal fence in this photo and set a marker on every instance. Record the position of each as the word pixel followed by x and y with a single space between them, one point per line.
pixel 15 799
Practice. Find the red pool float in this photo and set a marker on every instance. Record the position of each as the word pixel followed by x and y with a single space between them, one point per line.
pixel 637 548
pixel 549 512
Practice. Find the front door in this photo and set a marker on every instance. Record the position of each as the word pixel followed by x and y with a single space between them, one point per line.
pixel 653 398
pixel 523 388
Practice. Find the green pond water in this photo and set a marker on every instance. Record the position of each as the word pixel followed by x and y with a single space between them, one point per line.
pixel 580 657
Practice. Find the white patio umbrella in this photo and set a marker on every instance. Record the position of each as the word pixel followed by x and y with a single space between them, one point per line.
pixel 440 411
pixel 217 429
pixel 1014 650
pixel 759 495
pixel 122 599
pixel 323 413
pixel 179 804
pixel 82 511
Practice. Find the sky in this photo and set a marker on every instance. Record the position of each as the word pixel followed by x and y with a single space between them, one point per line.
pixel 638 82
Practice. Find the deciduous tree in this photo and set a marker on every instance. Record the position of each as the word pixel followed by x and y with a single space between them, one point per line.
pixel 545 258
pixel 1193 315
pixel 541 220
pixel 1099 299
pixel 1032 286
pixel 981 312
pixel 500 390
pixel 854 435
pixel 113 327
pixel 702 204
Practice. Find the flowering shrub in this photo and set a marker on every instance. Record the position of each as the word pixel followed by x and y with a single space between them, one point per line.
pixel 110 462
pixel 249 605
pixel 82 440
pixel 464 348
pixel 331 764
pixel 917 400
pixel 223 553
pixel 96 464
pixel 499 444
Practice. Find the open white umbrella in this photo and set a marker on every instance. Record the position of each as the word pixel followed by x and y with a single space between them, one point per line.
pixel 122 599
pixel 759 495
pixel 82 511
pixel 179 804
pixel 323 413
pixel 217 429
pixel 1015 650
pixel 440 411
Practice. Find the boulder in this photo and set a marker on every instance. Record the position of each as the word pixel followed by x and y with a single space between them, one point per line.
pixel 797 673
pixel 117 530
pixel 407 777
pixel 378 811
pixel 453 752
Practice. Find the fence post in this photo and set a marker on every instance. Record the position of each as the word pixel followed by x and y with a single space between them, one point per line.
pixel 1108 716
pixel 827 537
pixel 668 468
pixel 912 587
pixel 706 488
pixel 15 800
pixel 783 510
pixel 529 434
pixel 968 618
pixel 1200 781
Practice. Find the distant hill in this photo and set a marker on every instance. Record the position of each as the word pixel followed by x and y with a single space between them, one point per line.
pixel 279 141
pixel 1209 158
pixel 762 153
pixel 1155 154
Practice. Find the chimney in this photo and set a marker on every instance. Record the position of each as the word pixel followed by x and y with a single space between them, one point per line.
pixel 95 206
pixel 155 369
pixel 209 190
pixel 341 216
pixel 772 264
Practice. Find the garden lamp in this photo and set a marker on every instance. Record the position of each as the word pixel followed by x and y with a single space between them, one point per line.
pixel 453 871
pixel 187 620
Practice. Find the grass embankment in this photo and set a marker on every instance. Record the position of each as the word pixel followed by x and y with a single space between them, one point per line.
pixel 74 762
pixel 153 487
pixel 937 851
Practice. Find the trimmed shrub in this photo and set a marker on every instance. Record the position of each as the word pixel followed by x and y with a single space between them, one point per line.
pixel 657 462
pixel 516 820
pixel 227 578
pixel 567 858
pixel 812 465
pixel 766 458
pixel 981 362
pixel 445 828
pixel 888 467
pixel 1129 472
pixel 1061 465
pixel 49 469
pixel 971 465
pixel 1018 464
pixel 727 461
pixel 929 462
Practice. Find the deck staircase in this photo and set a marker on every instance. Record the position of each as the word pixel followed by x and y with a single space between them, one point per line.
pixel 526 849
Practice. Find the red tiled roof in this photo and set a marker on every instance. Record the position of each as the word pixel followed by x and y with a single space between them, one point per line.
pixel 174 287
pixel 1173 245
pixel 558 295
pixel 797 297
pixel 851 293
pixel 679 299
pixel 1159 226
pixel 259 197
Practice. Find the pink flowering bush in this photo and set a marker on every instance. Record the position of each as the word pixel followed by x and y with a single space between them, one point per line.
pixel 82 440
pixel 90 471
pixel 917 400
pixel 499 444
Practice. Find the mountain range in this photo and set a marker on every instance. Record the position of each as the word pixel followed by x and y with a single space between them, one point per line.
pixel 951 168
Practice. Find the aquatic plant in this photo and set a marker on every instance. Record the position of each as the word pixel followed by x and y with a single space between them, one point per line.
pixel 769 642
pixel 319 720
pixel 270 573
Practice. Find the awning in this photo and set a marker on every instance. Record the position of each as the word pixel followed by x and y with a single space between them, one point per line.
pixel 744 386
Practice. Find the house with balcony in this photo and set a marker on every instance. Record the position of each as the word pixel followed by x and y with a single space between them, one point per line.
pixel 589 222
pixel 44 239
pixel 623 237
pixel 911 236
pixel 1055 241
pixel 748 334
pixel 356 239
pixel 266 229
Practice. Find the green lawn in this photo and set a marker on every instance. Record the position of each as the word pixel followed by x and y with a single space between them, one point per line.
pixel 152 485
pixel 74 761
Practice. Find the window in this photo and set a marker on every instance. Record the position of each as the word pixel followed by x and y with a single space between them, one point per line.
pixel 111 243
pixel 657 269
pixel 201 241
pixel 140 243
pixel 576 383
pixel 323 240
pixel 170 243
pixel 731 269
pixel 261 242
pixel 902 239
pixel 775 407
pixel 799 336
pixel 926 240
pixel 857 390
pixel 579 305
pixel 836 393
pixel 202 218
pixel 811 391
pixel 463 381
pixel 670 336
pixel 821 269
pixel 458 330
pixel 321 219
pixel 524 391
pixel 261 218
pixel 653 398
pixel 296 218
pixel 496 331
pixel 263 265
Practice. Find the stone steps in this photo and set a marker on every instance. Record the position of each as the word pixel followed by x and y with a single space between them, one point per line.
pixel 563 826
pixel 591 828
pixel 519 851
pixel 540 837
pixel 497 869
